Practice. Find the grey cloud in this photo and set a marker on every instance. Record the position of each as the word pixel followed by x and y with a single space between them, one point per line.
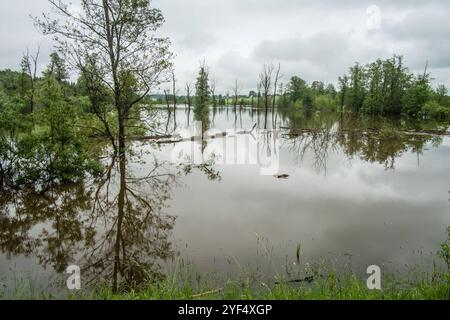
pixel 323 48
pixel 197 42
pixel 319 39
pixel 425 34
pixel 17 32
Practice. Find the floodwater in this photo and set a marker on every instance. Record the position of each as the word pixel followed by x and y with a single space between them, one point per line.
pixel 320 188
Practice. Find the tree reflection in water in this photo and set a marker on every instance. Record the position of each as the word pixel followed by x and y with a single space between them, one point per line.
pixel 114 228
pixel 366 139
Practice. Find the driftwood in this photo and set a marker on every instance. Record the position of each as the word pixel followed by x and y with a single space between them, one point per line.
pixel 297 132
pixel 281 176
pixel 171 139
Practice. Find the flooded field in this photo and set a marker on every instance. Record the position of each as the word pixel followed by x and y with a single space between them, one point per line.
pixel 359 191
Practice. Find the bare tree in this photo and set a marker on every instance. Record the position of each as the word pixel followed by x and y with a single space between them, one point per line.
pixel 188 94
pixel 169 109
pixel 174 89
pixel 266 83
pixel 259 95
pixel 120 37
pixel 174 92
pixel 277 78
pixel 29 68
pixel 212 87
pixel 236 90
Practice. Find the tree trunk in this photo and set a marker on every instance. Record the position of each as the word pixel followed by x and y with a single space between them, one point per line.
pixel 122 137
pixel 120 216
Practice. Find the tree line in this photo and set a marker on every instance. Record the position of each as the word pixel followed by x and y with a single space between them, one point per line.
pixel 384 87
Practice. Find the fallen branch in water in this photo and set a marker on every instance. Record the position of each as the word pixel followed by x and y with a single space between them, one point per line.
pixel 171 139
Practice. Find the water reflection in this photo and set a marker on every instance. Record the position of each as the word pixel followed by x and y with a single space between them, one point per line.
pixel 115 231
pixel 372 142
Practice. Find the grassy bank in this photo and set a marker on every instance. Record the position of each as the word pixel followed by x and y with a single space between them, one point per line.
pixel 328 286
pixel 332 287
pixel 313 283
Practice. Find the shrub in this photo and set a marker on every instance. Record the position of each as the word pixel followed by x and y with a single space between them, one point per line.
pixel 432 109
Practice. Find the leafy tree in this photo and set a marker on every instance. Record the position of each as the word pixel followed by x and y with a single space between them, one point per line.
pixel 318 88
pixel 441 94
pixel 202 90
pixel 357 90
pixel 331 91
pixel 297 88
pixel 119 35
pixel 417 95
pixel 57 68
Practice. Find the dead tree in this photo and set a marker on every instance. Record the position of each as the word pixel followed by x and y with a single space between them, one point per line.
pixel 236 90
pixel 174 91
pixel 266 83
pixel 277 78
pixel 212 87
pixel 189 99
pixel 29 68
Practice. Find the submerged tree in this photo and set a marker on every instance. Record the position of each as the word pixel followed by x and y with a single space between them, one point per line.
pixel 119 35
pixel 265 78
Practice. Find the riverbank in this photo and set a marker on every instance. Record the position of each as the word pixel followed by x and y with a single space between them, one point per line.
pixel 333 287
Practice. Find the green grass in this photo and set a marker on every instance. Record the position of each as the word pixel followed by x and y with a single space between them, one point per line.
pixel 333 287
pixel 330 286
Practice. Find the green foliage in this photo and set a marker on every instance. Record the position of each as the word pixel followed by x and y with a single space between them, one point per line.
pixel 300 96
pixel 441 95
pixel 45 147
pixel 202 95
pixel 417 95
pixel 325 103
pixel 432 109
pixel 386 87
pixel 357 90
pixel 57 68
pixel 298 104
pixel 297 88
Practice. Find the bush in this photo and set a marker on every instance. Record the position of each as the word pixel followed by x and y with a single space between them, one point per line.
pixel 298 105
pixel 49 150
pixel 432 109
pixel 325 103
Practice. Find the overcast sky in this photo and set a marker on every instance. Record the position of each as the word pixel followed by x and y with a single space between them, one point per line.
pixel 317 40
